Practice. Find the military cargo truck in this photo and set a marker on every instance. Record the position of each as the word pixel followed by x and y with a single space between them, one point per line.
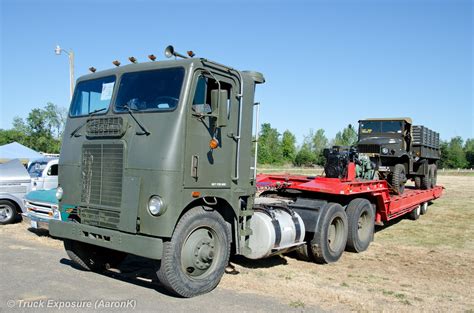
pixel 158 160
pixel 401 151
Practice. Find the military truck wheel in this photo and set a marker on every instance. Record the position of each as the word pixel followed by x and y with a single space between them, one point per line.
pixel 194 260
pixel 426 179
pixel 330 236
pixel 360 216
pixel 415 214
pixel 8 213
pixel 434 174
pixel 398 179
pixel 417 182
pixel 92 258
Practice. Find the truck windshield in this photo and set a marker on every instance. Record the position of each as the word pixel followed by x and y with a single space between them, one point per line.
pixel 156 90
pixel 92 95
pixel 369 127
pixel 36 169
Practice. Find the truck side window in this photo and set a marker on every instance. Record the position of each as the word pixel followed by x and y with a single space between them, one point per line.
pixel 199 102
pixel 202 95
pixel 53 170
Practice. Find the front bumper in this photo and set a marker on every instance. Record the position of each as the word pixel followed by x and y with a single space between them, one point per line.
pixel 36 222
pixel 149 247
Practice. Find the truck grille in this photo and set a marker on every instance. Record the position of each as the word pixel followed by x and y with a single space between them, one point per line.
pixel 99 217
pixel 102 171
pixel 105 127
pixel 368 148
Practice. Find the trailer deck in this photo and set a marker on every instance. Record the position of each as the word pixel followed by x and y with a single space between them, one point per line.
pixel 389 206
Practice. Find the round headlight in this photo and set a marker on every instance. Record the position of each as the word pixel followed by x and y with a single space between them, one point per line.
pixel 155 205
pixel 59 193
pixel 384 150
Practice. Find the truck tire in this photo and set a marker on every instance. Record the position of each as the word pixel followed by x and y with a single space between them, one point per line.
pixel 417 182
pixel 360 216
pixel 195 258
pixel 424 208
pixel 434 174
pixel 92 258
pixel 415 214
pixel 8 213
pixel 398 179
pixel 330 237
pixel 426 179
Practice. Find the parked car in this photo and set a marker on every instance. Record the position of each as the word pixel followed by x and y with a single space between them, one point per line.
pixel 41 207
pixel 16 181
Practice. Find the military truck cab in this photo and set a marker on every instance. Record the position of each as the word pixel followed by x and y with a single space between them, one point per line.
pixel 157 161
pixel 400 150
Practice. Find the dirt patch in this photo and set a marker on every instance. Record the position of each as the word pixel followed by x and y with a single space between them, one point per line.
pixel 23 231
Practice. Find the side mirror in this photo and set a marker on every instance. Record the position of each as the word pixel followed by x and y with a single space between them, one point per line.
pixel 219 106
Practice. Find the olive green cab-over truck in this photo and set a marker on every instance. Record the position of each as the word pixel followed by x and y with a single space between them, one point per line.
pixel 401 151
pixel 158 160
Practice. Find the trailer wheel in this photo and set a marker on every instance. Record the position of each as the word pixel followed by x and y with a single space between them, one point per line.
pixel 8 213
pixel 194 260
pixel 360 216
pixel 426 179
pixel 424 208
pixel 415 214
pixel 434 174
pixel 330 237
pixel 398 179
pixel 92 258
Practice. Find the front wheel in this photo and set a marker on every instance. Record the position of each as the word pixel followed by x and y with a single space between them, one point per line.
pixel 194 260
pixel 398 179
pixel 8 212
pixel 92 258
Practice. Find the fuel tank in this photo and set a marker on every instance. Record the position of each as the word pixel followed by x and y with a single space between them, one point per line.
pixel 275 229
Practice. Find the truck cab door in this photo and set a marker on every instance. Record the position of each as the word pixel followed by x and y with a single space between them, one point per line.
pixel 205 167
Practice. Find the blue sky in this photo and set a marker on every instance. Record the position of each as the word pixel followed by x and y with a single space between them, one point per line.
pixel 327 63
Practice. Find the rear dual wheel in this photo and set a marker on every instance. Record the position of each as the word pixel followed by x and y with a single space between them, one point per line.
pixel 361 217
pixel 429 180
pixel 330 237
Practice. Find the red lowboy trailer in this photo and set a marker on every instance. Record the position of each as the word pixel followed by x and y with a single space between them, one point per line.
pixel 342 212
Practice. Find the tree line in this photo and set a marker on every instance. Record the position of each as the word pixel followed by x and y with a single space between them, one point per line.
pixel 41 130
pixel 43 127
pixel 279 149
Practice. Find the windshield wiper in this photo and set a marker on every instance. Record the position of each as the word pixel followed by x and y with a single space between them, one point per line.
pixel 129 110
pixel 89 115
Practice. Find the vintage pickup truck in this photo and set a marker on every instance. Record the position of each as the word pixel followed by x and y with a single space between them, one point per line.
pixel 41 207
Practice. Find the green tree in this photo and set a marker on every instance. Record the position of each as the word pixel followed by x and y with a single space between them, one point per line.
pixel 456 157
pixel 305 157
pixel 346 137
pixel 40 131
pixel 469 152
pixel 288 146
pixel 269 146
pixel 319 143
